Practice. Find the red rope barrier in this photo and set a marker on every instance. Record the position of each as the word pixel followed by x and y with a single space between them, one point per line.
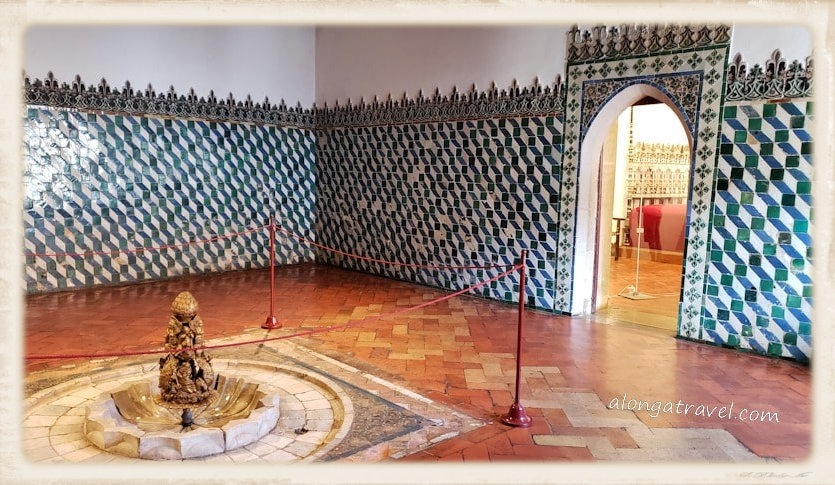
pixel 271 321
pixel 282 337
pixel 517 416
pixel 150 248
pixel 384 261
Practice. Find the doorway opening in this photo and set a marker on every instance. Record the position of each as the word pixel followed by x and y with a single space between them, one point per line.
pixel 643 187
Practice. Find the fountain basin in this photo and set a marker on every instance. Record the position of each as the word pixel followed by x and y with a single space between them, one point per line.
pixel 133 421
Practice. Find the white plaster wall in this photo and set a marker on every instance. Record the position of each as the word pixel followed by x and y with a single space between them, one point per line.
pixel 756 42
pixel 354 62
pixel 274 62
pixel 306 63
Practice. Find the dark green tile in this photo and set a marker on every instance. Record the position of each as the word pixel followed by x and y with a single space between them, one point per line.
pixel 740 270
pixel 726 280
pixel 781 136
pixel 730 112
pixel 804 187
pixel 761 186
pixel 776 174
pixel 766 285
pixel 766 149
pixel 775 349
pixel 790 338
pixel 729 245
pixel 787 200
pixel 757 223
pixel 755 124
pixel 737 305
pixel 746 331
pixel 746 198
pixel 740 136
pixel 743 234
pixel 769 110
pixel 800 227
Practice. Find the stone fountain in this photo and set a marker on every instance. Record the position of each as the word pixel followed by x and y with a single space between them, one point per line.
pixel 191 413
pixel 186 378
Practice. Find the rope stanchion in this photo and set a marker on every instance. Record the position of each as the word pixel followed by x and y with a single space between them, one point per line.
pixel 517 416
pixel 281 337
pixel 272 321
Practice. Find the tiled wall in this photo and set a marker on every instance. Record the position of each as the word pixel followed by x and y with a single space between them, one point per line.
pixel 454 192
pixel 101 182
pixel 449 182
pixel 759 276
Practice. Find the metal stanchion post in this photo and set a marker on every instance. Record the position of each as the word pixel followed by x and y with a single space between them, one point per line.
pixel 517 416
pixel 272 321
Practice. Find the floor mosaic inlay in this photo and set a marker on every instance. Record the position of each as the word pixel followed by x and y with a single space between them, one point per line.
pixel 328 410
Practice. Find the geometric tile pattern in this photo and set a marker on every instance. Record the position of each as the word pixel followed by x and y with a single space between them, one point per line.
pixel 759 276
pixel 467 192
pixel 104 182
pixel 691 78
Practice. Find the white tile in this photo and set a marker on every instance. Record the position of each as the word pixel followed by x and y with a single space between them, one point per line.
pixel 38 420
pixel 82 454
pixel 554 440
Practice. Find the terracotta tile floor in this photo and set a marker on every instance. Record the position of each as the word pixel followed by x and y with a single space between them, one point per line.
pixel 658 277
pixel 461 353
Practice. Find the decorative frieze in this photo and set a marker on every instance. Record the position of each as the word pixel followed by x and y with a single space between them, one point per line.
pixel 776 79
pixel 534 100
pixel 657 169
pixel 601 43
pixel 103 97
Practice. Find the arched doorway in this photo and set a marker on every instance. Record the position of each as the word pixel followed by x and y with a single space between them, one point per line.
pixel 599 172
pixel 644 185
